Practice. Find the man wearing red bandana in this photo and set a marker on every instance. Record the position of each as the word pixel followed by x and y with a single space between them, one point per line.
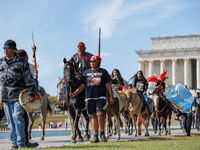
pixel 81 58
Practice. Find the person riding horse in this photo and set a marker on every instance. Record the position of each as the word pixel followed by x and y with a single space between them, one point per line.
pixel 140 86
pixel 81 60
pixel 117 84
pixel 159 89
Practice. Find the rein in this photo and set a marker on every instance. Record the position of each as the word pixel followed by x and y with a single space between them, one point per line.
pixel 162 109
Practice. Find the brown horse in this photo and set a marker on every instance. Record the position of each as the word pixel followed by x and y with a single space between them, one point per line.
pixel 162 110
pixel 114 110
pixel 137 107
pixel 198 117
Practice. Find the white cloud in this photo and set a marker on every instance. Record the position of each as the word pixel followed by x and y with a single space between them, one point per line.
pixel 112 15
pixel 106 54
pixel 60 65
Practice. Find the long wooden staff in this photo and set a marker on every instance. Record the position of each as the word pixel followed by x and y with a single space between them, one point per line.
pixel 99 42
pixel 35 63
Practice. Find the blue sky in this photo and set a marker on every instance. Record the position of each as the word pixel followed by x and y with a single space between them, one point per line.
pixel 126 26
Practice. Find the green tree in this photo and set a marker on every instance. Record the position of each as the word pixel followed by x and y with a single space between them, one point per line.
pixel 52 99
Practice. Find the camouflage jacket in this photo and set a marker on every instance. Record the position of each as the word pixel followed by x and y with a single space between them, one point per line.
pixel 15 76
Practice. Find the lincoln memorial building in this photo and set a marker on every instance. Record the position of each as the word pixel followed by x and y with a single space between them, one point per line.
pixel 180 55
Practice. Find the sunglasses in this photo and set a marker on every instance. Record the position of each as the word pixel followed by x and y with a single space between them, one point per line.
pixel 80 46
pixel 92 60
pixel 8 47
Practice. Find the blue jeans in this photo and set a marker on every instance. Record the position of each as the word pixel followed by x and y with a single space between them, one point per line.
pixel 14 114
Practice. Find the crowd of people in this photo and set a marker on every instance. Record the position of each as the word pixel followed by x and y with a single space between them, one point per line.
pixel 15 76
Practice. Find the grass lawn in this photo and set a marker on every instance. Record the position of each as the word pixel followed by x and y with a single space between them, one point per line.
pixel 156 143
pixel 53 119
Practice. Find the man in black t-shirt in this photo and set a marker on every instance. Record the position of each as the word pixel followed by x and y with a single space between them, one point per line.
pixel 96 81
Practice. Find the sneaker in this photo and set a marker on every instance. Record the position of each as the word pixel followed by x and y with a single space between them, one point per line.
pixel 103 138
pixel 31 145
pixel 21 146
pixel 95 141
pixel 14 147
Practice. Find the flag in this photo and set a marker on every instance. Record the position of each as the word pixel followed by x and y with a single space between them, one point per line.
pixel 156 78
pixel 152 79
pixel 181 98
pixel 162 75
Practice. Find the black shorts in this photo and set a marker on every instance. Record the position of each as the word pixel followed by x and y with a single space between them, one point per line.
pixel 95 106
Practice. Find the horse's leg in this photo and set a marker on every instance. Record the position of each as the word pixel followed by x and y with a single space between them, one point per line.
pixel 108 118
pixel 30 116
pixel 146 119
pixel 131 123
pixel 128 124
pixel 43 116
pixel 114 124
pixel 159 123
pixel 80 138
pixel 165 123
pixel 138 124
pixel 71 123
pixel 169 121
pixel 72 114
pixel 125 127
pixel 134 122
pixel 86 134
pixel 117 127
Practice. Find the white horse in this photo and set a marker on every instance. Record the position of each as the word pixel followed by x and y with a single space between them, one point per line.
pixel 61 104
pixel 45 109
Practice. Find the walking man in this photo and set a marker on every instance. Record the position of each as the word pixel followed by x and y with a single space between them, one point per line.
pixel 96 81
pixel 15 76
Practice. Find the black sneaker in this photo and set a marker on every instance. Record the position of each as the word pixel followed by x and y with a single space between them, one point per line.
pixel 14 147
pixel 31 145
pixel 21 146
pixel 95 141
pixel 103 138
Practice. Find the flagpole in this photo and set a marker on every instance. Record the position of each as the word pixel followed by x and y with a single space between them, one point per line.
pixel 99 42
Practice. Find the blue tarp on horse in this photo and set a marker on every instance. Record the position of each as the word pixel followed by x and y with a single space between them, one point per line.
pixel 181 98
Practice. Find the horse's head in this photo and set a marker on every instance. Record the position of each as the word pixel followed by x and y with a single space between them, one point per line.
pixel 129 94
pixel 156 100
pixel 68 72
pixel 60 85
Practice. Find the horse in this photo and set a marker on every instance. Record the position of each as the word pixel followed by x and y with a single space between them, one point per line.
pixel 75 105
pixel 197 117
pixel 61 104
pixel 137 107
pixel 45 109
pixel 114 110
pixel 162 110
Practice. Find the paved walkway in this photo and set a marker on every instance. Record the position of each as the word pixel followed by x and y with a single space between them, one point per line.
pixel 66 140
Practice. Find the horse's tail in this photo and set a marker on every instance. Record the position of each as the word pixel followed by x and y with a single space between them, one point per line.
pixel 49 109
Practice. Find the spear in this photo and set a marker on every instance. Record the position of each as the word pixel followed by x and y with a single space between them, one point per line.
pixel 99 41
pixel 35 63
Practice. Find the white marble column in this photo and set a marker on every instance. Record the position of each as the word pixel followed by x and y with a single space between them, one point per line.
pixel 150 72
pixel 198 73
pixel 162 66
pixel 174 71
pixel 186 72
pixel 141 65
